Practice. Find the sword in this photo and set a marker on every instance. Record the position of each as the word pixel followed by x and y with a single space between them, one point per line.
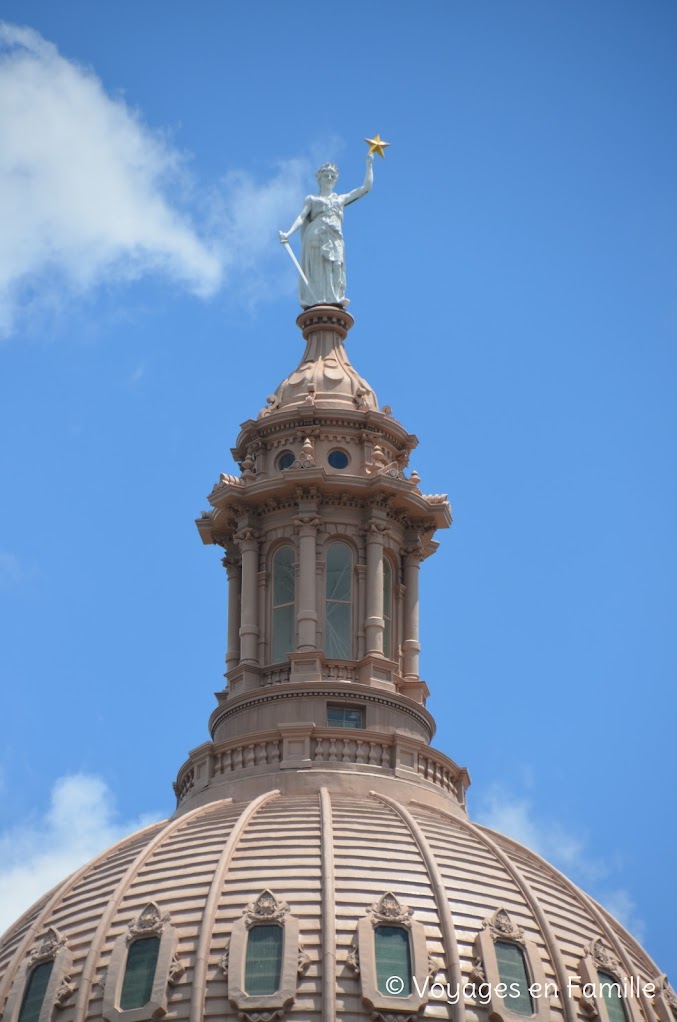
pixel 298 266
pixel 296 263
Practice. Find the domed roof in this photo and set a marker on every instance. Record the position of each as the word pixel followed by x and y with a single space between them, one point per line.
pixel 326 861
pixel 318 838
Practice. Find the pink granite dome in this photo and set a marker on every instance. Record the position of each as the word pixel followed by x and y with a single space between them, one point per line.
pixel 330 858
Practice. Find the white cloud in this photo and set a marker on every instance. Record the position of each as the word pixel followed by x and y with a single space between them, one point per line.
pixel 517 818
pixel 89 193
pixel 13 572
pixel 35 855
pixel 84 184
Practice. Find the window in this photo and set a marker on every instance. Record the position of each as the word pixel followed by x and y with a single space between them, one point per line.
pixel 345 716
pixel 387 608
pixel 285 460
pixel 137 985
pixel 338 616
pixel 35 992
pixel 393 959
pixel 506 955
pixel 610 990
pixel 284 584
pixel 263 963
pixel 513 972
pixel 338 459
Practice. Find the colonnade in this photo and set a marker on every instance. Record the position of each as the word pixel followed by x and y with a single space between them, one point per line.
pixel 249 617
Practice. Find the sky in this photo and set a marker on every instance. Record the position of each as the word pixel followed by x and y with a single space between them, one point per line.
pixel 513 277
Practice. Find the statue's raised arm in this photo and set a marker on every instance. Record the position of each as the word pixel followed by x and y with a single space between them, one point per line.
pixel 323 266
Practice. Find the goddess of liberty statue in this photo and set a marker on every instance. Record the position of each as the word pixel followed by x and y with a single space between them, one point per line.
pixel 322 278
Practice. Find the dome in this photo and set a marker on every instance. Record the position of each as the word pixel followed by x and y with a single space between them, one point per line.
pixel 326 862
pixel 321 864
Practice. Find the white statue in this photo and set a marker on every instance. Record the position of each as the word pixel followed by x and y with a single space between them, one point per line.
pixel 322 278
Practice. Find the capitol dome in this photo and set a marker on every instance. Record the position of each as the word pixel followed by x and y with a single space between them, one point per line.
pixel 321 864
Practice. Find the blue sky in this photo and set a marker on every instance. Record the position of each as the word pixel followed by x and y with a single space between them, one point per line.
pixel 513 277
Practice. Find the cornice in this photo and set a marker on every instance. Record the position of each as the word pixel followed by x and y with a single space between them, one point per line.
pixel 348 691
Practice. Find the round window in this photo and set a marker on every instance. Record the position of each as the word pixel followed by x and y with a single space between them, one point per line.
pixel 338 459
pixel 285 460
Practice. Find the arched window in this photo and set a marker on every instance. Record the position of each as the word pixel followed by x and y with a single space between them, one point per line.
pixel 339 602
pixel 387 608
pixel 137 986
pixel 284 585
pixel 393 961
pixel 36 988
pixel 610 990
pixel 512 970
pixel 263 963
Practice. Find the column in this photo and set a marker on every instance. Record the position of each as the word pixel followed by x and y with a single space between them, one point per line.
pixel 411 646
pixel 264 632
pixel 249 630
pixel 306 616
pixel 232 565
pixel 374 620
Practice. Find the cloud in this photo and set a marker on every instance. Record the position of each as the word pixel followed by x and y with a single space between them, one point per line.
pixel 81 822
pixel 86 189
pixel 89 193
pixel 517 818
pixel 13 572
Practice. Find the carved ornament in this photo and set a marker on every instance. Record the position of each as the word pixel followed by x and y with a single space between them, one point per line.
pixel 47 949
pixel 150 923
pixel 304 961
pixel 388 911
pixel 664 989
pixel 261 1016
pixel 390 1016
pixel 353 957
pixel 602 956
pixel 64 993
pixel 502 927
pixel 266 909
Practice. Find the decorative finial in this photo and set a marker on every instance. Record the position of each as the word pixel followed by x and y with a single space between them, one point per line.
pixel 377 145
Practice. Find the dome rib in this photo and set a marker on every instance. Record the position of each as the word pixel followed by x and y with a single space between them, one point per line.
pixel 211 905
pixel 89 967
pixel 328 909
pixel 591 906
pixel 441 900
pixel 560 968
pixel 59 894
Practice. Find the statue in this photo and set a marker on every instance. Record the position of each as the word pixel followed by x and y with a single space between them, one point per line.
pixel 322 270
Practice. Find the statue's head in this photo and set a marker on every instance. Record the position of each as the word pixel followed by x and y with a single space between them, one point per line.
pixel 327 169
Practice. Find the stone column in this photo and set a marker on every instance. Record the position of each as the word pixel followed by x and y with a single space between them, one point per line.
pixel 361 608
pixel 249 628
pixel 411 647
pixel 374 621
pixel 306 615
pixel 264 632
pixel 232 565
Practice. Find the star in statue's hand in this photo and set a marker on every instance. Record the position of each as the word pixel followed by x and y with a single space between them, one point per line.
pixel 377 145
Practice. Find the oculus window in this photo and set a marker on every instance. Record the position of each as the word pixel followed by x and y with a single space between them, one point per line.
pixel 338 459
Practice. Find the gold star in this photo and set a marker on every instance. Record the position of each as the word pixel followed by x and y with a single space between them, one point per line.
pixel 377 145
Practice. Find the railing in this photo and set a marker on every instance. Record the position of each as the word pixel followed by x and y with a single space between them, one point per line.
pixel 324 747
